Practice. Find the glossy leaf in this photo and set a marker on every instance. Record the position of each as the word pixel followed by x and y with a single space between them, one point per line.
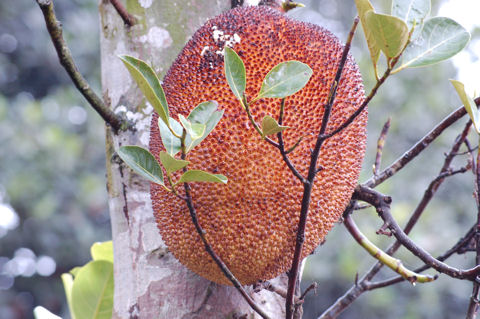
pixel 142 162
pixel 285 79
pixel 468 103
pixel 172 164
pixel 171 143
pixel 201 176
pixel 205 113
pixel 102 251
pixel 92 291
pixel 67 280
pixel 148 83
pixel 440 39
pixel 235 72
pixel 390 33
pixel 364 6
pixel 195 130
pixel 270 126
pixel 413 12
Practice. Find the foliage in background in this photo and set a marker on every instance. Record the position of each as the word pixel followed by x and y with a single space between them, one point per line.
pixel 52 163
pixel 89 289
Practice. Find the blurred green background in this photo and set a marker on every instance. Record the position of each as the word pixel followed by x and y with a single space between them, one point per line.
pixel 53 200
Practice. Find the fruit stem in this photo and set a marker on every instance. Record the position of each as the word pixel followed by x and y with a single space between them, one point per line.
pixel 246 106
pixel 250 117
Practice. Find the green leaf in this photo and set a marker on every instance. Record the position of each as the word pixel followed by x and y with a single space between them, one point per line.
pixel 142 162
pixel 285 79
pixel 201 176
pixel 171 143
pixel 102 251
pixel 270 126
pixel 413 12
pixel 92 291
pixel 67 280
pixel 74 271
pixel 235 72
pixel 468 103
pixel 172 164
pixel 195 130
pixel 440 39
pixel 205 113
pixel 148 83
pixel 364 6
pixel 390 33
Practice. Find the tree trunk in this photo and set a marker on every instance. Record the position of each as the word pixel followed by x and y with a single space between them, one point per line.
pixel 149 281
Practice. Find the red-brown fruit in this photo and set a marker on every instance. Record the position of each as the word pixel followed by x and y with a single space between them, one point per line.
pixel 252 221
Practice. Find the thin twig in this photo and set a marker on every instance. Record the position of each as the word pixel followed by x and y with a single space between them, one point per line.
pixel 433 186
pixel 127 18
pixel 393 263
pixel 469 151
pixel 291 149
pixel 281 146
pixel 382 204
pixel 216 258
pixel 418 147
pixel 66 60
pixel 362 285
pixel 224 268
pixel 456 249
pixel 246 106
pixel 312 171
pixel 313 287
pixel 380 145
pixel 279 291
pixel 473 304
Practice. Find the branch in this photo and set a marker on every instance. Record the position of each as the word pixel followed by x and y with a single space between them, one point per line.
pixel 393 263
pixel 66 60
pixel 432 188
pixel 208 247
pixel 380 145
pixel 382 204
pixel 458 248
pixel 312 172
pixel 313 287
pixel 367 100
pixel 281 146
pixel 127 18
pixel 473 304
pixel 418 147
pixel 363 284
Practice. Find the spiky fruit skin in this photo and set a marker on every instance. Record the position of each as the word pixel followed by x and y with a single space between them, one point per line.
pixel 252 221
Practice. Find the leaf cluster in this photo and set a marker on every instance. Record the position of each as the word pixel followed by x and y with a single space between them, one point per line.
pixel 409 32
pixel 283 80
pixel 177 136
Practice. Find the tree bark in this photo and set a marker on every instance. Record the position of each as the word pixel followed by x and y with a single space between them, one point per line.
pixel 149 281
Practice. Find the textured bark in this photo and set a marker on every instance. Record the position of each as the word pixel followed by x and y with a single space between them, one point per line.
pixel 149 281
